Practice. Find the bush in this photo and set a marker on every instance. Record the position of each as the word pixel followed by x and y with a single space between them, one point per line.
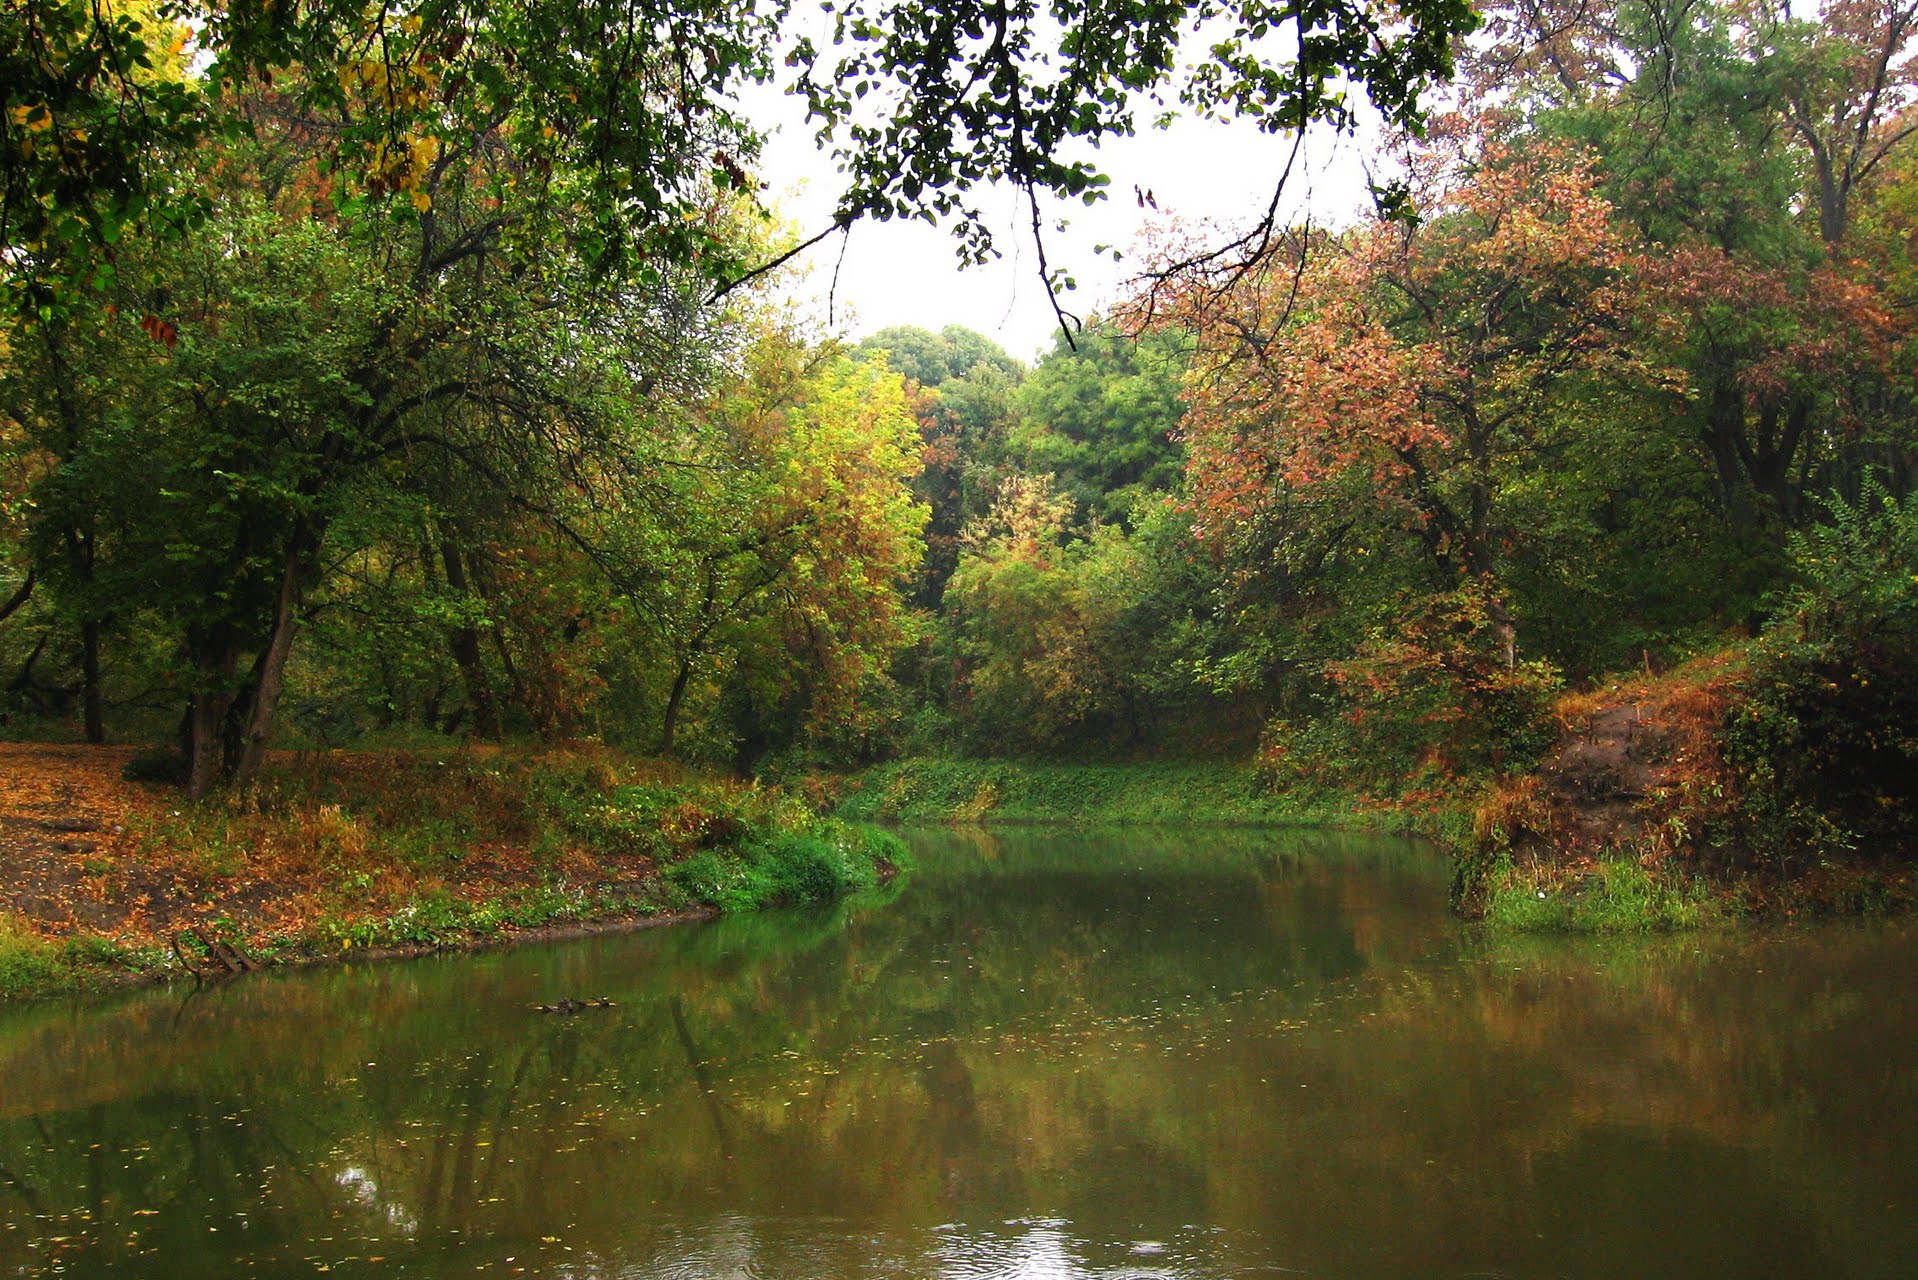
pixel 27 961
pixel 163 765
pixel 1420 705
pixel 1825 744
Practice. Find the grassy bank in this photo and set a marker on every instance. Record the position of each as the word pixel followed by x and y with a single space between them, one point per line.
pixel 343 854
pixel 1188 793
pixel 1712 792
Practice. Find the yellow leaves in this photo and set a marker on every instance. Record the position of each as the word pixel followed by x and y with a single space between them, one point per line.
pixel 396 86
pixel 365 74
pixel 405 164
pixel 33 117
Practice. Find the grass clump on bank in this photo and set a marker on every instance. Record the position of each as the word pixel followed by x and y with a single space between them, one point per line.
pixel 28 962
pixel 1616 895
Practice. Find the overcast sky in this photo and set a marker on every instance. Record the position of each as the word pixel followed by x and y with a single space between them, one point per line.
pixel 906 273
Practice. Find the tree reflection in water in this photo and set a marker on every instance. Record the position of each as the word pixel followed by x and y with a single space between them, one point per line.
pixel 1046 1055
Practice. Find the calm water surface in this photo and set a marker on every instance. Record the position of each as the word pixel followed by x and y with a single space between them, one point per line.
pixel 1042 1055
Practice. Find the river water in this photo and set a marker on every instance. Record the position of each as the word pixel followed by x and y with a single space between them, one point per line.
pixel 1039 1055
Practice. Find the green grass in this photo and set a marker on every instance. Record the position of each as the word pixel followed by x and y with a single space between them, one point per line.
pixel 32 965
pixel 1619 897
pixel 27 961
pixel 379 853
pixel 928 791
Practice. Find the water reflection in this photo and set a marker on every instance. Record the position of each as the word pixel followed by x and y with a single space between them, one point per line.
pixel 1047 1056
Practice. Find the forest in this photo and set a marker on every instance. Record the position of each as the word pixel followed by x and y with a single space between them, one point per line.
pixel 382 393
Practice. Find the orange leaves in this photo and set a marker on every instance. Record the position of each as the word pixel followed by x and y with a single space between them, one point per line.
pixel 1781 323
pixel 161 331
pixel 1406 356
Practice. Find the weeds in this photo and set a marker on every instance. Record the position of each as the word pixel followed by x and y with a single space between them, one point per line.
pixel 1181 792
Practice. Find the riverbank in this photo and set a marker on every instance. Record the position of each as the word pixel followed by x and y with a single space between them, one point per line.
pixel 1690 798
pixel 104 878
pixel 1687 799
pixel 928 791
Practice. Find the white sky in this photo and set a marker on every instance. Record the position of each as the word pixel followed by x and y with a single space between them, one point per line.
pixel 906 273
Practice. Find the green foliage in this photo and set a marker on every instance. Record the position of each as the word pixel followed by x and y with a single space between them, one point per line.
pixel 1825 743
pixel 823 861
pixel 157 764
pixel 967 65
pixel 33 965
pixel 631 114
pixel 28 963
pixel 1099 415
pixel 1422 706
pixel 1056 638
pixel 933 359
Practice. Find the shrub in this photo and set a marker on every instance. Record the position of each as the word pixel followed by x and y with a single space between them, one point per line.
pixel 1619 896
pixel 1825 744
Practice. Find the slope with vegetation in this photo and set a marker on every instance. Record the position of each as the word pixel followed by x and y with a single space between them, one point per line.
pixel 337 855
pixel 402 377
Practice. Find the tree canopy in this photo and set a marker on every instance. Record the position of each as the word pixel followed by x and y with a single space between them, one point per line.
pixel 626 112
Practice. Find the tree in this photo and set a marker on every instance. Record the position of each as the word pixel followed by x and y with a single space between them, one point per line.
pixel 1410 366
pixel 418 361
pixel 773 567
pixel 1056 638
pixel 960 385
pixel 1099 413
pixel 1738 142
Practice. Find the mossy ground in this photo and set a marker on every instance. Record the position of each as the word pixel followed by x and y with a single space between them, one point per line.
pixel 341 853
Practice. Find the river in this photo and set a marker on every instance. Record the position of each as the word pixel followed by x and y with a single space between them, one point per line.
pixel 1041 1054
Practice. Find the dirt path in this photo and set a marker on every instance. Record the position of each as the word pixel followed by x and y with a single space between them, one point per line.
pixel 65 850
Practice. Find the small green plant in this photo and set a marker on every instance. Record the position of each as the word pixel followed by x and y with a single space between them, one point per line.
pixel 787 867
pixel 162 765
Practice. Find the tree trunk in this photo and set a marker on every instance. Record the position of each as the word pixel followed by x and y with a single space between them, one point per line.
pixel 204 751
pixel 681 679
pixel 20 682
pixel 214 661
pixel 93 710
pixel 465 645
pixel 272 669
pixel 18 598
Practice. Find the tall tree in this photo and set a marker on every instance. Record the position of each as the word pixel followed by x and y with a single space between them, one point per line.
pixel 1423 360
pixel 1099 413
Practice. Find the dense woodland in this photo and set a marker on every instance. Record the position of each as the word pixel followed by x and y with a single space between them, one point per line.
pixel 1621 374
